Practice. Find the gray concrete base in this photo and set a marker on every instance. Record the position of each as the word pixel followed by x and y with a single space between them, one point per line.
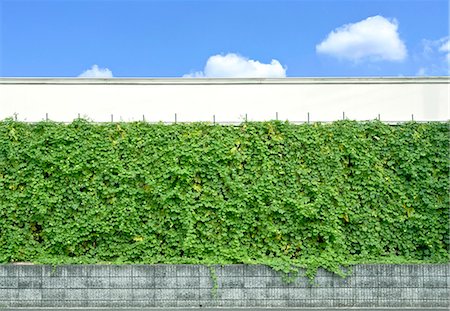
pixel 165 286
pixel 225 309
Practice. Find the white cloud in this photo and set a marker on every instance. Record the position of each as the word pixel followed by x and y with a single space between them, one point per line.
pixel 375 38
pixel 421 72
pixel 235 66
pixel 96 72
pixel 434 57
pixel 445 47
pixel 197 74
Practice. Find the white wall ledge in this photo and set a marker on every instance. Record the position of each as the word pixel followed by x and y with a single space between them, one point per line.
pixel 224 81
pixel 229 100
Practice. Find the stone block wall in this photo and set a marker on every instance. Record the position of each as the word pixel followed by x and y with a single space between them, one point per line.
pixel 236 286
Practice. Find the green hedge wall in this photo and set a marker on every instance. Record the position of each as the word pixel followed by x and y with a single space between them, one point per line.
pixel 314 195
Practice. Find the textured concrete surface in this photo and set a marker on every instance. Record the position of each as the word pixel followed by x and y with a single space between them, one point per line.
pixel 224 309
pixel 144 286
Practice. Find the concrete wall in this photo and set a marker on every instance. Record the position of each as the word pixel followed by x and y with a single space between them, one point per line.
pixel 238 285
pixel 395 99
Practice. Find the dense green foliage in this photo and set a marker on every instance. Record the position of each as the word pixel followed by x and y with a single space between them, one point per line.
pixel 265 192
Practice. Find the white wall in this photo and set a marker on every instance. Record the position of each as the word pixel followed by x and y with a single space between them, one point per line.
pixel 396 99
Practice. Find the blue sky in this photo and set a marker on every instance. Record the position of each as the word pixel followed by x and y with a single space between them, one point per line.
pixel 223 38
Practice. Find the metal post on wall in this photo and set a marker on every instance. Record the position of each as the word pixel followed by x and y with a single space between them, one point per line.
pixel 46 116
pixel 214 119
pixel 343 115
pixel 412 117
pixel 379 117
pixel 308 117
pixel 143 118
pixel 276 116
pixel 112 118
pixel 175 118
pixel 245 117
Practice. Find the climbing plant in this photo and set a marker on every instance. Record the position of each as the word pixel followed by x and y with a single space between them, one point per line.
pixel 285 195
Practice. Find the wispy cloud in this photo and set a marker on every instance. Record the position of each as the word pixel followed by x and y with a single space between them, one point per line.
pixel 375 39
pixel 96 72
pixel 422 71
pixel 445 48
pixel 434 58
pixel 233 65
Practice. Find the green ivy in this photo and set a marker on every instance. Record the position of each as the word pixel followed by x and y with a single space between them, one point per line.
pixel 275 193
pixel 214 280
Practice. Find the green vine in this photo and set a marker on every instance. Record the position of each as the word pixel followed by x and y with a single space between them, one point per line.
pixel 213 275
pixel 53 272
pixel 293 197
